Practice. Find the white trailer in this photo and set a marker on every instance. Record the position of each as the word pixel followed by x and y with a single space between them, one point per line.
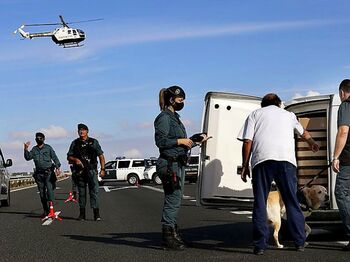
pixel 219 182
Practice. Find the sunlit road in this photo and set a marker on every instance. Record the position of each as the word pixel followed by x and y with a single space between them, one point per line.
pixel 130 231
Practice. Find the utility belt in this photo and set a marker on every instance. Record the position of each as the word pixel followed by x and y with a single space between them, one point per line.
pixel 181 159
pixel 46 171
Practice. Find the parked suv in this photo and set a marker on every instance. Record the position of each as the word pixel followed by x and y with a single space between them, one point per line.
pixel 150 171
pixel 131 170
pixel 4 181
pixel 191 170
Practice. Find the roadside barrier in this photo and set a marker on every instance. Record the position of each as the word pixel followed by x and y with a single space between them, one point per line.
pixel 20 182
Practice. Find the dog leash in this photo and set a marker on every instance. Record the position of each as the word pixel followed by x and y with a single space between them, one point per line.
pixel 316 176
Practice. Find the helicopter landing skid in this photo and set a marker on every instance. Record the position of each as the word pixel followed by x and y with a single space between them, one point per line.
pixel 71 45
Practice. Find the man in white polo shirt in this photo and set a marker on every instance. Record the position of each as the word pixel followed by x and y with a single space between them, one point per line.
pixel 268 137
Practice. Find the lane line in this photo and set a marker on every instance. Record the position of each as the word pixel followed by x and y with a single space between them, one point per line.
pixel 161 191
pixel 106 188
pixel 125 187
pixel 241 212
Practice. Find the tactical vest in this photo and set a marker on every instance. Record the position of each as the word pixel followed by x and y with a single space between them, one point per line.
pixel 84 150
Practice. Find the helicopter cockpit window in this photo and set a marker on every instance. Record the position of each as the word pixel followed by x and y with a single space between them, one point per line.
pixel 69 31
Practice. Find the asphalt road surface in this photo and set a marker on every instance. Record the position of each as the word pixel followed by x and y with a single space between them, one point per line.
pixel 130 231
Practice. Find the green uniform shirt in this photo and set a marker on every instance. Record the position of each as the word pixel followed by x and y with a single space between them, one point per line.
pixel 42 157
pixel 169 128
pixel 90 148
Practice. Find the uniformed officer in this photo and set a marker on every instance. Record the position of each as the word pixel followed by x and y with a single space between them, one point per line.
pixel 47 166
pixel 173 144
pixel 83 154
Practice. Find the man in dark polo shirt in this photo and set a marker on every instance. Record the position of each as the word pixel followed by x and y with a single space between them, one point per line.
pixel 341 158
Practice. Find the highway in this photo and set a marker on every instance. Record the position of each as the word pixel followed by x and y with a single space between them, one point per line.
pixel 130 231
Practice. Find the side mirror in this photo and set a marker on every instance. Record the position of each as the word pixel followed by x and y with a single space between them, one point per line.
pixel 8 163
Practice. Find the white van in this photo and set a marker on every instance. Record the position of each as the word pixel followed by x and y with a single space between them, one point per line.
pixel 219 182
pixel 131 170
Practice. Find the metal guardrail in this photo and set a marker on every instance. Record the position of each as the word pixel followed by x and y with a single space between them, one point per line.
pixel 25 181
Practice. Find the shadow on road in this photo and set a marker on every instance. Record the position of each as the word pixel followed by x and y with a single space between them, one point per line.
pixel 235 237
pixel 218 237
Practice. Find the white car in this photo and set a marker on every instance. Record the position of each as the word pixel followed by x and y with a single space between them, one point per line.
pixel 131 170
pixel 150 171
pixel 4 181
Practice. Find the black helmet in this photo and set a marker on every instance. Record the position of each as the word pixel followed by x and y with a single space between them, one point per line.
pixel 176 91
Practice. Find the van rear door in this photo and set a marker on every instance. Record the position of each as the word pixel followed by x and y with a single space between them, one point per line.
pixel 318 115
pixel 219 180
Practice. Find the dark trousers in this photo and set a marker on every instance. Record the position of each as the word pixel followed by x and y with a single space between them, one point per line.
pixel 88 178
pixel 45 188
pixel 173 198
pixel 342 196
pixel 284 174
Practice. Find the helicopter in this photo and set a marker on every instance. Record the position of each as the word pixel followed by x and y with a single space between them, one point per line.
pixel 64 36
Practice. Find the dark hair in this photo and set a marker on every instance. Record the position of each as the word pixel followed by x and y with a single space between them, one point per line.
pixel 39 134
pixel 171 92
pixel 345 85
pixel 271 99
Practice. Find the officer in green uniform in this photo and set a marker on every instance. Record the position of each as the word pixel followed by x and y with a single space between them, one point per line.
pixel 46 165
pixel 83 153
pixel 173 144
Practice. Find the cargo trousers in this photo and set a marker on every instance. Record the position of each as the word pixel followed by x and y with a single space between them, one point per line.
pixel 172 198
pixel 87 179
pixel 342 196
pixel 45 187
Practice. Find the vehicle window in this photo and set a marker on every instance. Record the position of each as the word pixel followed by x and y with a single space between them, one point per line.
pixel 138 163
pixel 194 160
pixel 123 164
pixel 74 32
pixel 69 31
pixel 110 165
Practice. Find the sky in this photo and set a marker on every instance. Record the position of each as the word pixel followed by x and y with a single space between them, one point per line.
pixel 292 47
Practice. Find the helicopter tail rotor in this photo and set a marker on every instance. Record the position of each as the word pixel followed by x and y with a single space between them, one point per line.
pixel 22 32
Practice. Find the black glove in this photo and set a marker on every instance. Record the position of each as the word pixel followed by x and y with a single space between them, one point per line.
pixel 197 138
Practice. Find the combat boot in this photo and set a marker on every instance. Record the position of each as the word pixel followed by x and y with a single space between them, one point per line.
pixel 82 215
pixel 97 216
pixel 178 237
pixel 169 241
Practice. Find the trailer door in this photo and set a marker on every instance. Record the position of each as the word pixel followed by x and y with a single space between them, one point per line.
pixel 219 180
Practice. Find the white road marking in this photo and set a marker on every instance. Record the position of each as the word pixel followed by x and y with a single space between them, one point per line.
pixel 193 200
pixel 241 212
pixel 125 187
pixel 162 191
pixel 106 189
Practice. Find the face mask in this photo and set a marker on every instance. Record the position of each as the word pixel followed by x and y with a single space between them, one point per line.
pixel 39 141
pixel 178 106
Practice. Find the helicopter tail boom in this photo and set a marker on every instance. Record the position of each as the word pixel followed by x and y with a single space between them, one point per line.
pixel 32 35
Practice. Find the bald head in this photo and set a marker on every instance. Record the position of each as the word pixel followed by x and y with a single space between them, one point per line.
pixel 271 99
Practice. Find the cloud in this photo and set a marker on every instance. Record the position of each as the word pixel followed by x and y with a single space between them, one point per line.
pixel 133 153
pixel 51 132
pixel 309 93
pixel 14 145
pixel 54 132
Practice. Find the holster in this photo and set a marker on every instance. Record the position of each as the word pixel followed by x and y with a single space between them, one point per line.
pixel 170 180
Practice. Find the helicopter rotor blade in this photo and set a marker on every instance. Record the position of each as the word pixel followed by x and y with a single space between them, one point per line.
pixel 63 22
pixel 85 21
pixel 43 24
